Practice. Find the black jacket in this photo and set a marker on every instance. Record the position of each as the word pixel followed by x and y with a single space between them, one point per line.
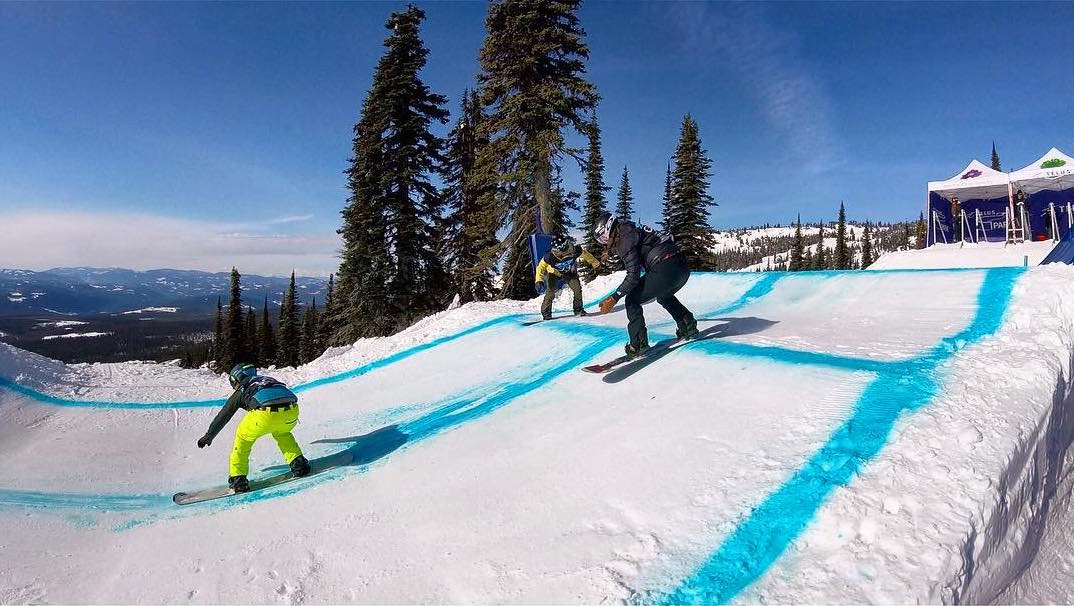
pixel 640 248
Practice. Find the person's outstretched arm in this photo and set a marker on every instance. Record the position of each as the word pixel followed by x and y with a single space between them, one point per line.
pixel 222 418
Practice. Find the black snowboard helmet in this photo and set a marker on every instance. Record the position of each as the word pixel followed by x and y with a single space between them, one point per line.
pixel 240 374
pixel 563 243
pixel 602 229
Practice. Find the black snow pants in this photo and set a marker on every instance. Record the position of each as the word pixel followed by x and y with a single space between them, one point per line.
pixel 660 283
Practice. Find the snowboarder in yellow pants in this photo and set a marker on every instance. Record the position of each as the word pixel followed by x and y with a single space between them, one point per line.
pixel 271 409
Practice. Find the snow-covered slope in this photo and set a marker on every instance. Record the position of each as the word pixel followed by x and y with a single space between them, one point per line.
pixel 844 436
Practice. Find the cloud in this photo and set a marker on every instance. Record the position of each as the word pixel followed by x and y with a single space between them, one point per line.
pixel 294 219
pixel 791 99
pixel 45 239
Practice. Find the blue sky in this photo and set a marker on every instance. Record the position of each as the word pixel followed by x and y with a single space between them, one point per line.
pixel 122 125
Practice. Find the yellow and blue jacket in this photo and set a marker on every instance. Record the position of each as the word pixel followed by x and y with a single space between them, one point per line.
pixel 563 263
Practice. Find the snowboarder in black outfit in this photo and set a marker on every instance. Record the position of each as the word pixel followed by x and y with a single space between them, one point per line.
pixel 666 272
pixel 561 263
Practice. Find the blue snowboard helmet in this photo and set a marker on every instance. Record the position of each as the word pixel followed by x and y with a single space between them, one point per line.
pixel 241 373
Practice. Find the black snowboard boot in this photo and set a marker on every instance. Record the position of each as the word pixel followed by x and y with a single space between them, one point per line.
pixel 687 328
pixel 580 313
pixel 238 483
pixel 300 466
pixel 633 351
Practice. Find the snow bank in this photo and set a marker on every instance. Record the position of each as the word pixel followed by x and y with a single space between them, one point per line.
pixel 844 436
pixel 983 254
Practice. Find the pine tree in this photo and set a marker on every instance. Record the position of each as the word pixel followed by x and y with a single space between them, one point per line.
pixel 624 206
pixel 920 233
pixel 690 200
pixel 391 272
pixel 308 347
pixel 250 337
pixel 533 85
pixel 866 248
pixel 595 202
pixel 327 328
pixel 234 350
pixel 287 343
pixel 795 262
pixel 995 158
pixel 266 340
pixel 218 338
pixel 665 212
pixel 906 236
pixel 807 260
pixel 465 236
pixel 820 260
pixel 842 259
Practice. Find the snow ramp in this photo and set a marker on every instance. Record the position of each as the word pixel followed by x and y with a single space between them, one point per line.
pixel 887 436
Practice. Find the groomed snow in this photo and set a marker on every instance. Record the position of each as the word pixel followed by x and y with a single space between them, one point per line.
pixel 844 437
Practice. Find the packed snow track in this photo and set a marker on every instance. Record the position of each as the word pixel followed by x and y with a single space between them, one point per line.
pixel 892 436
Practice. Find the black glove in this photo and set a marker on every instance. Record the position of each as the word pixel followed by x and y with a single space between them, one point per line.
pixel 204 441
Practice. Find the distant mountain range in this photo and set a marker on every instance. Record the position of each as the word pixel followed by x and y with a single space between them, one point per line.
pixel 87 290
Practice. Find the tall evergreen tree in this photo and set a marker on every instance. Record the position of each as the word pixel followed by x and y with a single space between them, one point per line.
pixel 533 85
pixel 820 260
pixel 842 259
pixel 798 249
pixel 234 350
pixel 920 233
pixel 266 340
pixel 287 342
pixel 665 213
pixel 906 236
pixel 466 235
pixel 624 206
pixel 689 213
pixel 327 329
pixel 218 338
pixel 595 202
pixel 250 337
pixel 995 158
pixel 866 248
pixel 807 260
pixel 308 346
pixel 391 272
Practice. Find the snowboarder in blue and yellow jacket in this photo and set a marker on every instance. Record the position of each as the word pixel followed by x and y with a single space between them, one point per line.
pixel 271 408
pixel 561 263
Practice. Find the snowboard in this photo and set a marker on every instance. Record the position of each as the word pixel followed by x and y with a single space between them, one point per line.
pixel 219 492
pixel 628 365
pixel 532 322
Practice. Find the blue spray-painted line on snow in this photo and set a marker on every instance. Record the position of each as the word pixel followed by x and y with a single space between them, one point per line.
pixel 44 398
pixel 766 533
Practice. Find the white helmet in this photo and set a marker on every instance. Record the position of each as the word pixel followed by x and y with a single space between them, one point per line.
pixel 602 230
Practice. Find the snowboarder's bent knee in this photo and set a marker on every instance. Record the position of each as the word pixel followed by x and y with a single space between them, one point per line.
pixel 271 408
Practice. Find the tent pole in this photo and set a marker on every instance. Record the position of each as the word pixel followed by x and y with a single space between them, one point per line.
pixel 1055 224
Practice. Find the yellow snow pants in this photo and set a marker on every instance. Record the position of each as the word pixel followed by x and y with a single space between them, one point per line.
pixel 257 423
